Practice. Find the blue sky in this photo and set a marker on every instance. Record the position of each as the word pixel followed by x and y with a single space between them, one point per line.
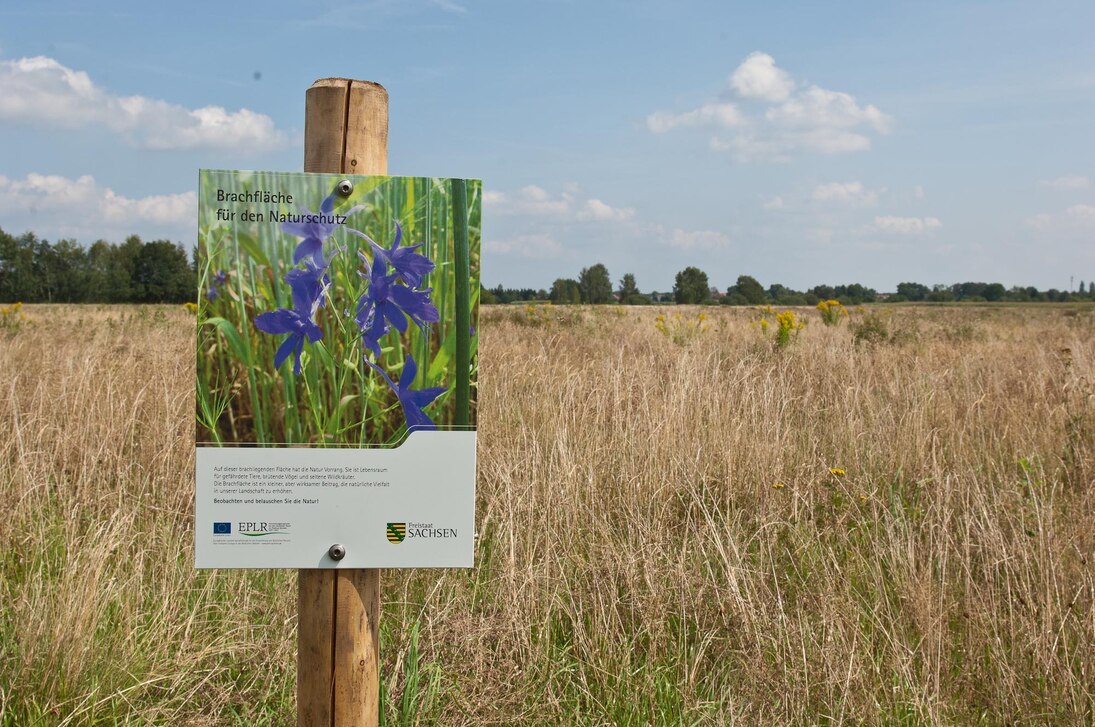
pixel 800 143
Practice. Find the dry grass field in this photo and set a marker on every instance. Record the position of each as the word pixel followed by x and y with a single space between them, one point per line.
pixel 685 526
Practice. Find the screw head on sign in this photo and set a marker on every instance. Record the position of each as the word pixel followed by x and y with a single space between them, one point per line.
pixel 337 551
pixel 345 187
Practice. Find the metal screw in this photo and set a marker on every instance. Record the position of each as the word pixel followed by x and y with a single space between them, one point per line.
pixel 337 551
pixel 345 187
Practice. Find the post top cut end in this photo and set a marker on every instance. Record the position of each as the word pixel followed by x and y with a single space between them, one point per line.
pixel 339 82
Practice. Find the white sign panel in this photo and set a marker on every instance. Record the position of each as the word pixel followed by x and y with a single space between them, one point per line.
pixel 388 508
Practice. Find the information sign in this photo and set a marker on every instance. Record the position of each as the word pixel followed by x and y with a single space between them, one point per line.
pixel 336 370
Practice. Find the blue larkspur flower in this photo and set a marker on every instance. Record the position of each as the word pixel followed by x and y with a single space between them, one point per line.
pixel 308 288
pixel 407 263
pixel 314 228
pixel 309 284
pixel 219 278
pixel 412 401
pixel 385 301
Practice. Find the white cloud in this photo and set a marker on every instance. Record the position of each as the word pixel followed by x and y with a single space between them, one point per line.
pixel 534 201
pixel 1075 222
pixel 1081 212
pixel 535 246
pixel 787 123
pixel 918 192
pixel 41 90
pixel 713 114
pixel 531 201
pixel 851 193
pixel 1041 221
pixel 906 225
pixel 746 147
pixel 758 77
pixel 1073 225
pixel 1071 181
pixel 451 7
pixel 698 239
pixel 783 145
pixel 821 235
pixel 776 203
pixel 52 205
pixel 595 209
pixel 817 108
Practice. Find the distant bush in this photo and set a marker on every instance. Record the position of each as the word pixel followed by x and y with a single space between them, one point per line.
pixel 872 330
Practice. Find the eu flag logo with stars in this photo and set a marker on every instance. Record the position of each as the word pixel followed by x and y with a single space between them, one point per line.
pixel 222 528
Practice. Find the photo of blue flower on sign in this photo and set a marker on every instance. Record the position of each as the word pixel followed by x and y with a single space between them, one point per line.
pixel 319 292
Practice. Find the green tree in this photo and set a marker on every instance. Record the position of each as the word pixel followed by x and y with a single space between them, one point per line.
pixel 969 291
pixel 68 270
pixel 855 294
pixel 994 292
pixel 595 285
pixel 629 291
pixel 120 268
pixel 18 272
pixel 751 290
pixel 691 286
pixel 783 295
pixel 940 294
pixel 913 291
pixel 777 291
pixel 162 274
pixel 565 291
pixel 98 270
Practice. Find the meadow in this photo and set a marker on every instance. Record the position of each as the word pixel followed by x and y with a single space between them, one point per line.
pixel 887 521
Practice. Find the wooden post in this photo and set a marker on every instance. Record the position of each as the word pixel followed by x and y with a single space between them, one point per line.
pixel 338 611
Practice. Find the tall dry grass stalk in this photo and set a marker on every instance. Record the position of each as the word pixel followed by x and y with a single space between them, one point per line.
pixel 661 538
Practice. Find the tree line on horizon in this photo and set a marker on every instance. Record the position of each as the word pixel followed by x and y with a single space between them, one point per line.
pixel 34 270
pixel 593 286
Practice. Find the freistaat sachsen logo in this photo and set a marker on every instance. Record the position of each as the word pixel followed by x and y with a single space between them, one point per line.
pixel 396 532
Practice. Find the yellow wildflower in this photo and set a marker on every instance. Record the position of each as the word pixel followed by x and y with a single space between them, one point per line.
pixel 837 471
pixel 831 311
